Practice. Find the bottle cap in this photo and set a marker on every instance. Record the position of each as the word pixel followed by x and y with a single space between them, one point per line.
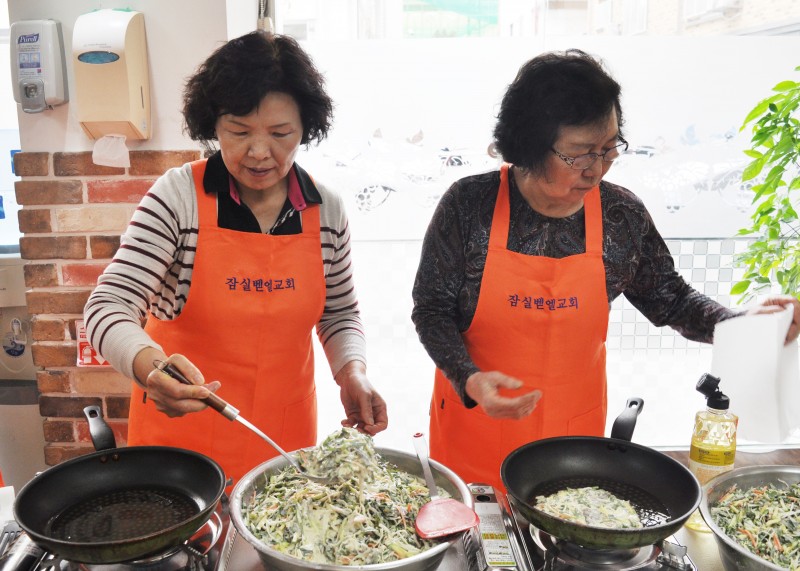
pixel 709 386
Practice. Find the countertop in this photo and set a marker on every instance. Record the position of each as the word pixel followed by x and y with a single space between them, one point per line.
pixel 702 547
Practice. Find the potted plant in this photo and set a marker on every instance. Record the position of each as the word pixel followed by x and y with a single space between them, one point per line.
pixel 773 174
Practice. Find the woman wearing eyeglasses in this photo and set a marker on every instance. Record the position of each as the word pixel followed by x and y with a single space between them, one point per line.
pixel 519 267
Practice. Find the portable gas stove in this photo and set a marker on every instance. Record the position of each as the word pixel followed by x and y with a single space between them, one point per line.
pixel 504 541
pixel 201 552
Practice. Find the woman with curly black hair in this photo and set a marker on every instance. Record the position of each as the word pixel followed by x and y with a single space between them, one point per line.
pixel 519 268
pixel 232 261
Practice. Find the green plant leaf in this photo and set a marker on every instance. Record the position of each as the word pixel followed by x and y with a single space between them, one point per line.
pixel 785 86
pixel 740 287
pixel 757 111
pixel 773 256
pixel 753 169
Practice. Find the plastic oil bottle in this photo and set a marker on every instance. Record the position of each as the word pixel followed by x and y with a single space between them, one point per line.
pixel 713 448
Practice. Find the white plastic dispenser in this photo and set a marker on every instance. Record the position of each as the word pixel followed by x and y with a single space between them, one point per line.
pixel 112 77
pixel 38 66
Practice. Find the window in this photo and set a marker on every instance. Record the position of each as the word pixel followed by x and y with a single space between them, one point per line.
pixel 635 17
pixel 694 9
pixel 603 15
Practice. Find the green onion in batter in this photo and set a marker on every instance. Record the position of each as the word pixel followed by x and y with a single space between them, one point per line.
pixel 764 520
pixel 366 516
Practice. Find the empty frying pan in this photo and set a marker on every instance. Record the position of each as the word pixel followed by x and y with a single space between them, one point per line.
pixel 119 504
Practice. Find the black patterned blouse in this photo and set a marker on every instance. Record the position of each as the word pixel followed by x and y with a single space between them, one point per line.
pixel 638 264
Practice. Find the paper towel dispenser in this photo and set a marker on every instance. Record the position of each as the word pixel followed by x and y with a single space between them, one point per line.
pixel 112 85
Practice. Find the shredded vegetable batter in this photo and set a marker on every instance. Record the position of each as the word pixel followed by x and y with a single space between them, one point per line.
pixel 365 516
pixel 764 520
pixel 590 506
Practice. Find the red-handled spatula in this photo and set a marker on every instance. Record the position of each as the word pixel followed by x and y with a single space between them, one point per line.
pixel 440 516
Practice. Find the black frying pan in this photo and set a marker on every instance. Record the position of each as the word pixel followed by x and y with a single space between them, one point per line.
pixel 663 491
pixel 119 504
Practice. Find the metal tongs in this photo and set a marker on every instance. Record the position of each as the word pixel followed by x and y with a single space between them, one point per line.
pixel 10 532
pixel 232 413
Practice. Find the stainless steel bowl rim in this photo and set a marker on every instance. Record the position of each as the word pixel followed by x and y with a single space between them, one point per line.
pixel 388 454
pixel 768 473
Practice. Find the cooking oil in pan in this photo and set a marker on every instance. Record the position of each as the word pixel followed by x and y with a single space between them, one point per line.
pixel 122 514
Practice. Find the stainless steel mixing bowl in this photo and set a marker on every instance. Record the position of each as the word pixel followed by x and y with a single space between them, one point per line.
pixel 428 560
pixel 735 557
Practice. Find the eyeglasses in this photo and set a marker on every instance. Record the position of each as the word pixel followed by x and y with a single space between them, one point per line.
pixel 583 162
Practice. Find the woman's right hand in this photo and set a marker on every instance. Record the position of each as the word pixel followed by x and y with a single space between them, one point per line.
pixel 169 395
pixel 483 388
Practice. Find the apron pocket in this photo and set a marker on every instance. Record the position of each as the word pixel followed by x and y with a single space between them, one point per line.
pixel 300 424
pixel 591 423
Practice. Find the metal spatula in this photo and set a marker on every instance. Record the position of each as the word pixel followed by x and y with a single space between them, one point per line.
pixel 232 413
pixel 440 516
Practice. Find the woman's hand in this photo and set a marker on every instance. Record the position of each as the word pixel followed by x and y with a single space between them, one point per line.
pixel 483 388
pixel 364 407
pixel 171 396
pixel 779 303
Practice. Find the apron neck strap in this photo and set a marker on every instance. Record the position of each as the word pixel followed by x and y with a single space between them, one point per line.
pixel 498 237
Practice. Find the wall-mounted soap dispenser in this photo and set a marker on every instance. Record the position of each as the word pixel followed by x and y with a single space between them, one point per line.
pixel 112 77
pixel 38 66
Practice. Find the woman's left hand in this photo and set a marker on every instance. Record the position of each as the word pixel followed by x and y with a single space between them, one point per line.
pixel 364 407
pixel 778 303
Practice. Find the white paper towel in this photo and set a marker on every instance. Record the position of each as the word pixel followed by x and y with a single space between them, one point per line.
pixel 6 504
pixel 110 151
pixel 759 374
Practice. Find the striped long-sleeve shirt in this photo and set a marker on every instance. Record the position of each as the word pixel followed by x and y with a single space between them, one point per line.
pixel 152 269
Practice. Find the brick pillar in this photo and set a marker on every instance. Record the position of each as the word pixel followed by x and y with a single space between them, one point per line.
pixel 73 213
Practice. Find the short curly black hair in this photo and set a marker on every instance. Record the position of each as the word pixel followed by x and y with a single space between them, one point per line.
pixel 552 90
pixel 237 76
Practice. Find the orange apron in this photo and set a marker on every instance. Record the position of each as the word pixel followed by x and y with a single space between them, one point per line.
pixel 254 301
pixel 544 321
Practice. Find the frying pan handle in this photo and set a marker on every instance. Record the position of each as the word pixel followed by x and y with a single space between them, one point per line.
pixel 626 422
pixel 102 435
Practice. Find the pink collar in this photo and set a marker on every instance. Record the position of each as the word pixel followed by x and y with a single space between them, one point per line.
pixel 295 194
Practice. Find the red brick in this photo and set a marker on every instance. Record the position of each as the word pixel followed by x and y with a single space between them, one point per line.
pixel 53 381
pixel 48 328
pixel 34 221
pixel 53 354
pixel 81 274
pixel 66 407
pixel 104 218
pixel 31 164
pixel 41 275
pixel 56 454
pixel 158 162
pixel 59 431
pixel 103 380
pixel 118 406
pixel 103 247
pixel 49 247
pixel 80 164
pixel 38 192
pixel 118 191
pixel 70 301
